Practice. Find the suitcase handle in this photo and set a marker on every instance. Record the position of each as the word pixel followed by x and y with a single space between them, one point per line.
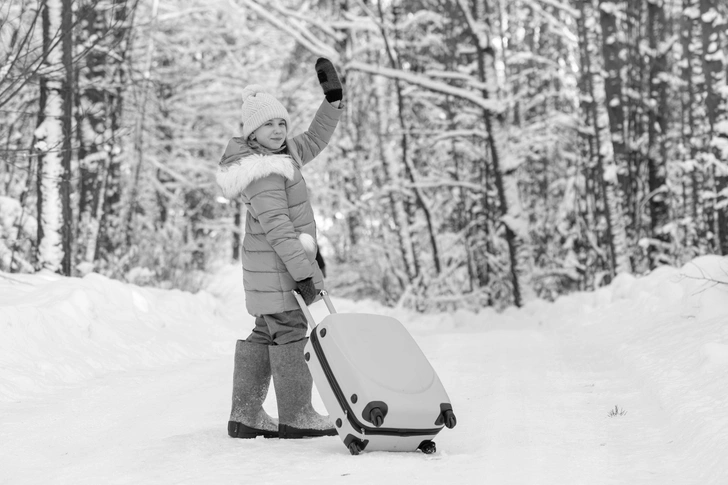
pixel 309 318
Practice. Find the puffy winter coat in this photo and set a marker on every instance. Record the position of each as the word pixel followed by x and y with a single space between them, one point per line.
pixel 278 210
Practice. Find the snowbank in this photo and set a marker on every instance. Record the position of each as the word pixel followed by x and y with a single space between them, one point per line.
pixel 56 331
pixel 670 328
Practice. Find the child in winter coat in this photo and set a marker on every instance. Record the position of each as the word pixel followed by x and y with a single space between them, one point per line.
pixel 263 166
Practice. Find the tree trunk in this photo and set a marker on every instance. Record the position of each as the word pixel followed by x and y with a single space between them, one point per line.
pixel 504 169
pixel 110 209
pixel 713 27
pixel 657 131
pixel 406 159
pixel 615 159
pixel 139 128
pixel 392 178
pixel 591 146
pixel 50 136
pixel 39 136
pixel 92 126
pixel 68 89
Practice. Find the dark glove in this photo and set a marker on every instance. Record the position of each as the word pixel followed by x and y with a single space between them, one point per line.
pixel 308 290
pixel 329 80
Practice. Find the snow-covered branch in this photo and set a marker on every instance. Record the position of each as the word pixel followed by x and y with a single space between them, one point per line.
pixel 561 6
pixel 464 133
pixel 446 183
pixel 302 35
pixel 489 105
pixel 292 14
pixel 477 29
pixel 472 81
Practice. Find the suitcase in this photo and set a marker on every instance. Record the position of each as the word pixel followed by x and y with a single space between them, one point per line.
pixel 380 390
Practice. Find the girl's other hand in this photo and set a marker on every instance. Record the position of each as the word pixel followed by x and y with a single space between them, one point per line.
pixel 329 80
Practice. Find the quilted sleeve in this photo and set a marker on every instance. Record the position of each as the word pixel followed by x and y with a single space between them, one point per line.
pixel 310 143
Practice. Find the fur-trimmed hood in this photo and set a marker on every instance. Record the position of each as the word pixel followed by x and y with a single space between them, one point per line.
pixel 234 177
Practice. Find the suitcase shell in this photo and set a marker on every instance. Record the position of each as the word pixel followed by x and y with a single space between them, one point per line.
pixel 368 368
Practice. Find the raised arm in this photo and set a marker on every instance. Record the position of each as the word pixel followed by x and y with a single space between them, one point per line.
pixel 310 143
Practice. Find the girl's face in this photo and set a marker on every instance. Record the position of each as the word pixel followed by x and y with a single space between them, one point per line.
pixel 272 134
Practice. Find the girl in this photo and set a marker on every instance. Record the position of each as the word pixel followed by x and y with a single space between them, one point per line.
pixel 264 168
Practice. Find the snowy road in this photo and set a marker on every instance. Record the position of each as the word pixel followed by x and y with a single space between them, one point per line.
pixel 531 403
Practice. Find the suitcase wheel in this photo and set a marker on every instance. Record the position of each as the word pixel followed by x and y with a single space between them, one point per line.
pixel 354 448
pixel 354 444
pixel 427 447
pixel 446 417
pixel 375 412
pixel 450 420
pixel 376 417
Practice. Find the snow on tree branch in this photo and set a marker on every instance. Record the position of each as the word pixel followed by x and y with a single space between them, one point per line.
pixel 489 105
pixel 562 6
pixel 478 29
pixel 296 30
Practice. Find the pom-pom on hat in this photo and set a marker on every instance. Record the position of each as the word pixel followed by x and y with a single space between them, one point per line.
pixel 260 106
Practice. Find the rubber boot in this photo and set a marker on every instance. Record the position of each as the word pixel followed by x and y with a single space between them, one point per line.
pixel 293 384
pixel 251 380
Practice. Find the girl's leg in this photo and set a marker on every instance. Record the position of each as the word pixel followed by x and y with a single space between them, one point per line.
pixel 292 380
pixel 251 379
pixel 260 334
pixel 286 327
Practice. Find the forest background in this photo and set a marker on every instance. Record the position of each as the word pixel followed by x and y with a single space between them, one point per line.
pixel 491 151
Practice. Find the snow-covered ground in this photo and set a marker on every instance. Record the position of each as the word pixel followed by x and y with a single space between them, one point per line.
pixel 107 383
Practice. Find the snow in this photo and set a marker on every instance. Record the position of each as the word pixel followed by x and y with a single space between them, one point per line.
pixel 11 214
pixel 106 382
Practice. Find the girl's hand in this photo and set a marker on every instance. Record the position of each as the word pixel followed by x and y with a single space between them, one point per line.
pixel 329 80
pixel 307 289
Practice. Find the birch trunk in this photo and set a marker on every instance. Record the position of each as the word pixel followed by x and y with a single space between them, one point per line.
pixel 49 135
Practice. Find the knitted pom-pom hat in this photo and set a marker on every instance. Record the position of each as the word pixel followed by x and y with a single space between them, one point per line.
pixel 260 106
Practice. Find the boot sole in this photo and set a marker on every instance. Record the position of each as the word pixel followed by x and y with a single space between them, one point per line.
pixel 239 430
pixel 286 432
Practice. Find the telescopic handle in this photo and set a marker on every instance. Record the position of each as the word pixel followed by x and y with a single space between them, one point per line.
pixel 309 318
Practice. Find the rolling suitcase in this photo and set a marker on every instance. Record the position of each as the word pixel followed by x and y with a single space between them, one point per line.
pixel 380 390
